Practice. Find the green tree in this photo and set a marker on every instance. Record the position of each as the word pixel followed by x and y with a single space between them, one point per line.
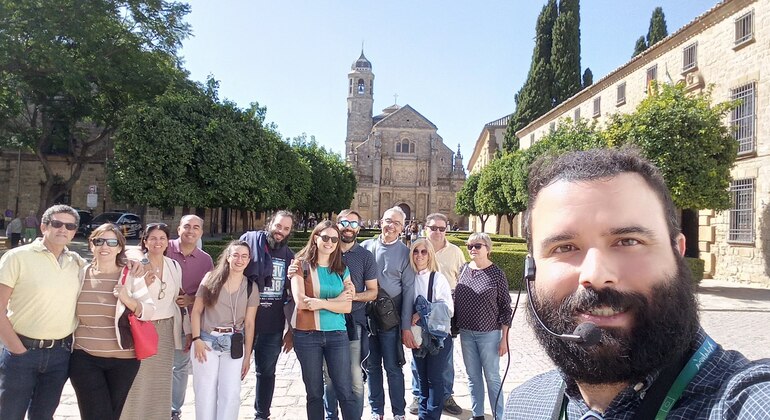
pixel 685 136
pixel 657 30
pixel 489 197
pixel 588 77
pixel 465 199
pixel 69 69
pixel 565 54
pixel 536 97
pixel 640 46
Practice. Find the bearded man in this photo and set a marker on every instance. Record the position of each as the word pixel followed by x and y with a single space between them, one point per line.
pixel 602 232
pixel 270 258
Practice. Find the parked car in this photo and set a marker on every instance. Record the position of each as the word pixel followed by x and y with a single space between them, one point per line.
pixel 85 218
pixel 129 223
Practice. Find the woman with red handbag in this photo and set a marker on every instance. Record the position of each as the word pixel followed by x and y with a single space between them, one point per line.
pixel 103 365
pixel 150 396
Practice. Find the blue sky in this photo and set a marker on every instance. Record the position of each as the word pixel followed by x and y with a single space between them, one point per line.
pixel 457 63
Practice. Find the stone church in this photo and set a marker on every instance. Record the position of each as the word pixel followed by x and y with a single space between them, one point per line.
pixel 398 157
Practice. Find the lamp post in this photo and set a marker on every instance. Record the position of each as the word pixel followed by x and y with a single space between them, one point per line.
pixel 18 177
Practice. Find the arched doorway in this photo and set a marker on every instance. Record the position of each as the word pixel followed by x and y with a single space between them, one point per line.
pixel 407 211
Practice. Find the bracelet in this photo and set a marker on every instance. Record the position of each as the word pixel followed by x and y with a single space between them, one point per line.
pixel 196 338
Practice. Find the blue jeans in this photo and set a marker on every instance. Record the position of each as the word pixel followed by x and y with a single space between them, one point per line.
pixel 32 381
pixel 449 376
pixel 330 396
pixel 312 349
pixel 383 350
pixel 431 371
pixel 181 372
pixel 267 348
pixel 480 352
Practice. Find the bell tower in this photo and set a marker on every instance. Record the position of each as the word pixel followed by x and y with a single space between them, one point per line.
pixel 360 102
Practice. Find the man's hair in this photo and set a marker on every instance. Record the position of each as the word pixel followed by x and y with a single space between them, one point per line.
pixel 191 216
pixel 280 213
pixel 596 164
pixel 395 209
pixel 346 213
pixel 59 208
pixel 437 216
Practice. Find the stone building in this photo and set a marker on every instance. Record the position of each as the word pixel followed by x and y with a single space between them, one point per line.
pixel 398 157
pixel 728 48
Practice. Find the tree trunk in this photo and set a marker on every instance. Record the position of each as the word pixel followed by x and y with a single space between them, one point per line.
pixel 510 223
pixel 483 221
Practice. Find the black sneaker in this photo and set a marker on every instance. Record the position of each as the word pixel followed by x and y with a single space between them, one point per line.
pixel 414 407
pixel 451 407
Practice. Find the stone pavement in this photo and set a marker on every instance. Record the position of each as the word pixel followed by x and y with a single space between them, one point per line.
pixel 735 315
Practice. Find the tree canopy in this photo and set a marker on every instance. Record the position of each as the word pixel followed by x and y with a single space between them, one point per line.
pixel 656 32
pixel 565 54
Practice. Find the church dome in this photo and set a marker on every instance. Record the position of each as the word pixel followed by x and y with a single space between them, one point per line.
pixel 361 63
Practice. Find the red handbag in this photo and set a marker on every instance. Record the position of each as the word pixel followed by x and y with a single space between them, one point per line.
pixel 144 335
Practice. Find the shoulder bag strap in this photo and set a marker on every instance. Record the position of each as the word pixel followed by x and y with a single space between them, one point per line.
pixel 124 275
pixel 430 286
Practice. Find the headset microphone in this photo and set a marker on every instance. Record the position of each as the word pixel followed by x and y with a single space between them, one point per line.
pixel 586 334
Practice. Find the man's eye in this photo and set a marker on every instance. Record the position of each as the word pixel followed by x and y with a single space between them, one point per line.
pixel 563 248
pixel 628 242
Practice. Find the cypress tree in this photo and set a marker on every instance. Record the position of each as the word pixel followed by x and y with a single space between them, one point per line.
pixel 657 30
pixel 588 77
pixel 565 54
pixel 535 98
pixel 640 46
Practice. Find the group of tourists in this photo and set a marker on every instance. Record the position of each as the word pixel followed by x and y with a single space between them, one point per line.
pixel 601 229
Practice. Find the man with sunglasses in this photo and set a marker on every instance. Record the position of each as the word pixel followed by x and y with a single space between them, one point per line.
pixel 268 268
pixel 450 259
pixel 195 264
pixel 395 278
pixel 39 286
pixel 363 273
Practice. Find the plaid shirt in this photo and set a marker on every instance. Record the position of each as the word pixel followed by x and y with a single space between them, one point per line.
pixel 728 386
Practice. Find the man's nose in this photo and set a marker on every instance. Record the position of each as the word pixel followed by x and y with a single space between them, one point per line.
pixel 597 270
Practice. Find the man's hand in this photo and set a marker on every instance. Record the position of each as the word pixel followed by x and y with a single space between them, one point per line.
pixel 184 301
pixel 294 267
pixel 408 339
pixel 136 268
pixel 288 341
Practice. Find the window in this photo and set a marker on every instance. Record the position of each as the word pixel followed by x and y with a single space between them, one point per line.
pixel 597 106
pixel 621 94
pixel 742 211
pixel 404 146
pixel 652 74
pixel 361 86
pixel 690 57
pixel 742 118
pixel 577 114
pixel 744 28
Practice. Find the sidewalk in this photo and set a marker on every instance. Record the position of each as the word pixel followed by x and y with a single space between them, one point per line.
pixel 735 315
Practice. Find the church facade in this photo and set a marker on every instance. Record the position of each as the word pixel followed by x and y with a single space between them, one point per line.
pixel 398 157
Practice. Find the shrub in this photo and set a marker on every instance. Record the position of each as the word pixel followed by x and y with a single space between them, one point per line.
pixel 512 264
pixel 697 267
pixel 214 249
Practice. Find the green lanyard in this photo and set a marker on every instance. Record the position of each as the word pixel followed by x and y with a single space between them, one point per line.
pixel 677 388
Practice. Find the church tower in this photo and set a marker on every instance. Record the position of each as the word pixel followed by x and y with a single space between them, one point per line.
pixel 360 102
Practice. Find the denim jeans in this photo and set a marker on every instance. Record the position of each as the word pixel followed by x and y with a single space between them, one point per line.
pixel 480 352
pixel 181 372
pixel 267 348
pixel 101 384
pixel 330 396
pixel 449 376
pixel 32 381
pixel 383 350
pixel 312 349
pixel 430 373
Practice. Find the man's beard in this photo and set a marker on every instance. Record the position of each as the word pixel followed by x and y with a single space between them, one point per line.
pixel 274 243
pixel 665 325
pixel 346 239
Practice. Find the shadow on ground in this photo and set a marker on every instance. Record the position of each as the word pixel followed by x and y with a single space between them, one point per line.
pixel 740 293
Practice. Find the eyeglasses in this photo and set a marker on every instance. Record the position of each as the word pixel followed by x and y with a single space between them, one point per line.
pixel 325 238
pixel 241 256
pixel 56 224
pixel 112 243
pixel 346 223
pixel 475 246
pixel 422 252
pixel 162 292
pixel 392 222
pixel 437 228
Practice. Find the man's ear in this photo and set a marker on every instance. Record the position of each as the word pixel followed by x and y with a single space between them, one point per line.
pixel 680 244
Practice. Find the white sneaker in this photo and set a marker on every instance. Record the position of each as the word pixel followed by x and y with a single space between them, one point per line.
pixel 399 417
pixel 376 416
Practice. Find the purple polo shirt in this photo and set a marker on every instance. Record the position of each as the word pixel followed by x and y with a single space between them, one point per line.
pixel 194 266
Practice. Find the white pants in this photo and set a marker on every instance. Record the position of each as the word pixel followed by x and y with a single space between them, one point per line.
pixel 217 385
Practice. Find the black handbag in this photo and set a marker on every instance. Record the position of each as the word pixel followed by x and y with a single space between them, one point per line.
pixel 384 311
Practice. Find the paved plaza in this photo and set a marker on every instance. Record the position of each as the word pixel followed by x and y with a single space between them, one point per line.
pixel 735 315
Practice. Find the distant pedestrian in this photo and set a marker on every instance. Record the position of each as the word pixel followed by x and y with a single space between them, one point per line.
pixel 13 231
pixel 30 227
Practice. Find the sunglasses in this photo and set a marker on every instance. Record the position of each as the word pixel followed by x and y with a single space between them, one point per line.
pixel 346 223
pixel 422 252
pixel 155 225
pixel 475 246
pixel 437 228
pixel 112 243
pixel 56 224
pixel 325 238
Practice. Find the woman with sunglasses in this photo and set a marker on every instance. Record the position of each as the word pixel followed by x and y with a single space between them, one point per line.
pixel 483 313
pixel 102 367
pixel 150 396
pixel 222 325
pixel 323 293
pixel 431 365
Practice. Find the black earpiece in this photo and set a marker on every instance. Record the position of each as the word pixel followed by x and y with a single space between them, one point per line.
pixel 529 268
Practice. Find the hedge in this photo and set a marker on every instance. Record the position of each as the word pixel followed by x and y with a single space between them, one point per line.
pixel 697 267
